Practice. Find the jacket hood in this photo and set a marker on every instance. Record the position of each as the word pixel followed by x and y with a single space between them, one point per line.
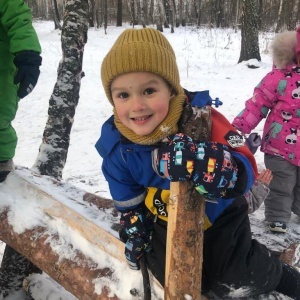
pixel 283 48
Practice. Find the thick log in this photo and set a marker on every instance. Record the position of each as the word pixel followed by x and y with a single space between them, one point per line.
pixel 75 275
pixel 56 203
pixel 186 223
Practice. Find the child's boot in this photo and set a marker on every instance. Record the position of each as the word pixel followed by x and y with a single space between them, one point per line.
pixel 289 284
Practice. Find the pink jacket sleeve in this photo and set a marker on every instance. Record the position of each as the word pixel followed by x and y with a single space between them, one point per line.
pixel 257 107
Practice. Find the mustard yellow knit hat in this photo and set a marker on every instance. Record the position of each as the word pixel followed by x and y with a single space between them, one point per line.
pixel 140 50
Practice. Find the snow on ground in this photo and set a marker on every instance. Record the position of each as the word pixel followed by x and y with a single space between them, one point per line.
pixel 207 59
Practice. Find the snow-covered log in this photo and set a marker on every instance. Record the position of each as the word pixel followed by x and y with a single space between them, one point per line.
pixel 57 216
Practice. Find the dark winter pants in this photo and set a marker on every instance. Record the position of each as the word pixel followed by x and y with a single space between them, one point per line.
pixel 231 258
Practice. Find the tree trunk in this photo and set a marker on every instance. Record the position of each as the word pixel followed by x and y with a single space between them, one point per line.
pixel 198 13
pixel 119 13
pixel 63 102
pixel 186 222
pixel 142 14
pixel 293 16
pixel 158 15
pixel 249 42
pixel 237 15
pixel 92 5
pixel 56 17
pixel 279 18
pixel 105 15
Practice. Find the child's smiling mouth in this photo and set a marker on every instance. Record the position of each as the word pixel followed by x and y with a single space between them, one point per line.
pixel 141 119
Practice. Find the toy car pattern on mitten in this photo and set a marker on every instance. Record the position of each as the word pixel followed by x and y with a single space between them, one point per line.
pixel 208 164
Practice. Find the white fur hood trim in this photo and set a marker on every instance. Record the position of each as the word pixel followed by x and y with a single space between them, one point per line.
pixel 283 49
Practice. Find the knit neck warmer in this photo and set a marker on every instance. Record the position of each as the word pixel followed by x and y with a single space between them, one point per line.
pixel 166 127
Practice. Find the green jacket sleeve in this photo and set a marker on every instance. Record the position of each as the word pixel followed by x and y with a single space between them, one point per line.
pixel 16 21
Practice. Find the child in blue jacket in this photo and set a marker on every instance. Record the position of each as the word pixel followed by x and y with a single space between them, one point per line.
pixel 143 149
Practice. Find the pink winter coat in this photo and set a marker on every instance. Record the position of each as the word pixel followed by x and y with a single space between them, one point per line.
pixel 277 97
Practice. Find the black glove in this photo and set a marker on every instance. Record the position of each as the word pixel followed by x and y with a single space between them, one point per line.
pixel 27 63
pixel 215 170
pixel 175 160
pixel 136 233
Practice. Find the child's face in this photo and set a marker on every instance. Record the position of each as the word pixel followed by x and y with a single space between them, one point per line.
pixel 141 100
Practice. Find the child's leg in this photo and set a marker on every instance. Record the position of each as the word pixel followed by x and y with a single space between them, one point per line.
pixel 8 107
pixel 296 203
pixel 156 260
pixel 232 260
pixel 279 202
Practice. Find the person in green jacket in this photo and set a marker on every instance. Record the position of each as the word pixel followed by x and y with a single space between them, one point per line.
pixel 20 61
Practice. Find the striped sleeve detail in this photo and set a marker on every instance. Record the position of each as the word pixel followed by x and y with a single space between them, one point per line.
pixel 131 203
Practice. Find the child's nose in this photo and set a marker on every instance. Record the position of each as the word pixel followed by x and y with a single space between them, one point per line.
pixel 138 103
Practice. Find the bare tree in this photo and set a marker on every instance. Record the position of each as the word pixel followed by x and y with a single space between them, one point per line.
pixel 56 17
pixel 92 5
pixel 105 14
pixel 64 99
pixel 237 15
pixel 119 12
pixel 142 13
pixel 172 15
pixel 293 15
pixel 249 32
pixel 280 17
pixel 198 13
pixel 158 14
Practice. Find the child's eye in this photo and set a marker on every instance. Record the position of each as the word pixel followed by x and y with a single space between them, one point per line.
pixel 123 95
pixel 149 91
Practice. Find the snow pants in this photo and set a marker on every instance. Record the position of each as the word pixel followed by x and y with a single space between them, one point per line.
pixel 231 258
pixel 284 196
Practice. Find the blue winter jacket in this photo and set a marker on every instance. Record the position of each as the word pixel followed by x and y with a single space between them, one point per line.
pixel 128 169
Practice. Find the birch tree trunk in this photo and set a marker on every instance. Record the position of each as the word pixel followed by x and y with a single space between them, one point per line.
pixel 279 19
pixel 64 99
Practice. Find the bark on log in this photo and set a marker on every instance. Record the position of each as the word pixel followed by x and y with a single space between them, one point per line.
pixel 76 275
pixel 186 222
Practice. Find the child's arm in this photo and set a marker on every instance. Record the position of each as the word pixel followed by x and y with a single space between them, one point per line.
pixel 257 107
pixel 259 191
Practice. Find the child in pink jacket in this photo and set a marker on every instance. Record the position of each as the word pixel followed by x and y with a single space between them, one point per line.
pixel 277 98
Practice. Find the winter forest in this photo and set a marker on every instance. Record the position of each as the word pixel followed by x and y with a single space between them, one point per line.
pixel 226 43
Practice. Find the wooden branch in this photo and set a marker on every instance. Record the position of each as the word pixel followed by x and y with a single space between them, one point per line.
pixel 186 224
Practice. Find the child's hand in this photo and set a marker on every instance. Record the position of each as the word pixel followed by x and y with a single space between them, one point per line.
pixel 134 250
pixel 215 170
pixel 135 233
pixel 175 160
pixel 265 177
